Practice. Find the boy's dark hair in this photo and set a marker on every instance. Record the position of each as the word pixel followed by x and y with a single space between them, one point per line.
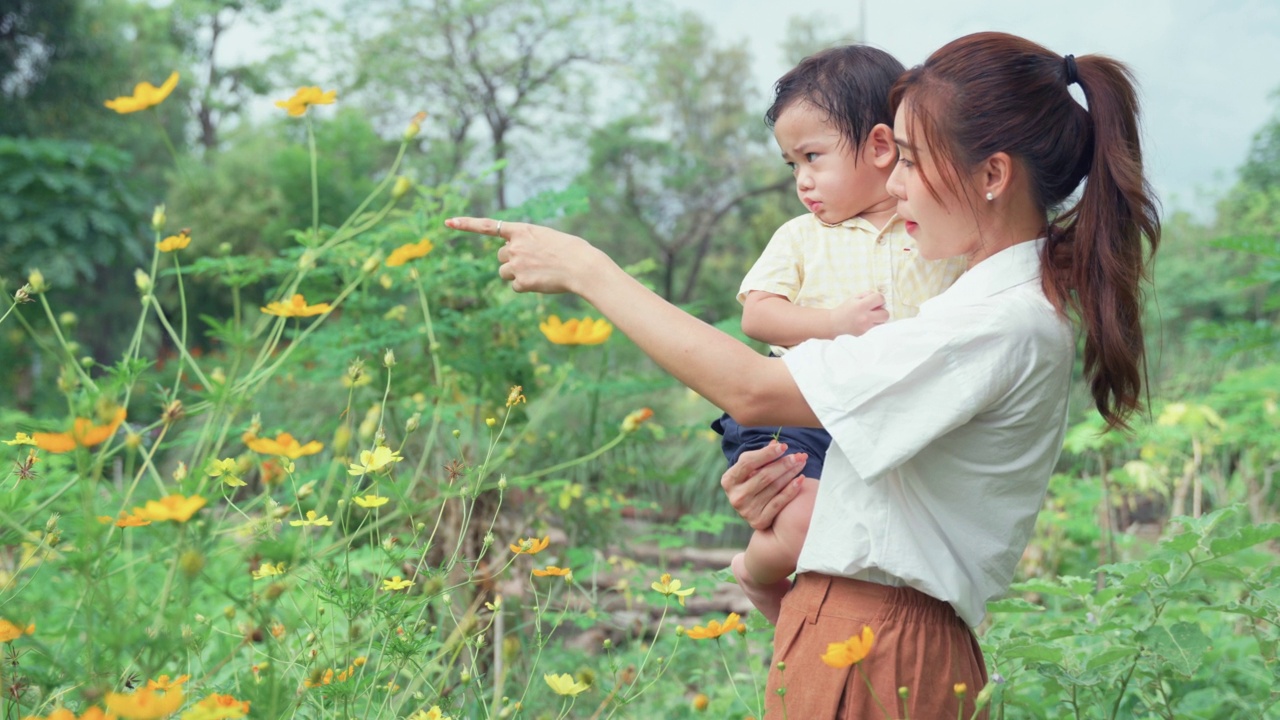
pixel 850 84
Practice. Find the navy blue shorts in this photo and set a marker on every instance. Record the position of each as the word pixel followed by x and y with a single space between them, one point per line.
pixel 738 439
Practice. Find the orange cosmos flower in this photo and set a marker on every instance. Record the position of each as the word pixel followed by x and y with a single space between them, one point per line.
pixel 176 507
pixel 851 651
pixel 146 703
pixel 284 444
pixel 715 629
pixel 175 242
pixel 10 632
pixel 83 434
pixel 296 307
pixel 530 546
pixel 412 251
pixel 553 571
pixel 304 98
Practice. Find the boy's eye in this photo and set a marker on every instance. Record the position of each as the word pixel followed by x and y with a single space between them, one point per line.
pixel 791 166
pixel 810 157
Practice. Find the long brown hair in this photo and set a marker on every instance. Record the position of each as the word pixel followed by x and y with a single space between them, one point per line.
pixel 992 92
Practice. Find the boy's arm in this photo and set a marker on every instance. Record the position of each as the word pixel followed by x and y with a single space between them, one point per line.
pixel 773 319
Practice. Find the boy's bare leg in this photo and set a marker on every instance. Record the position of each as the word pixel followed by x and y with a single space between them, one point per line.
pixel 762 570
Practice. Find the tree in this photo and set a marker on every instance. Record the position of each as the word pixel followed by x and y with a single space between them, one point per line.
pixel 695 153
pixel 225 87
pixel 491 72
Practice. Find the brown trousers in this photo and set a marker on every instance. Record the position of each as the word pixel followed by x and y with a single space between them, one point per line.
pixel 920 644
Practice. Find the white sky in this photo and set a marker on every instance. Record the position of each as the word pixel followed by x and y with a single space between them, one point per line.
pixel 1207 70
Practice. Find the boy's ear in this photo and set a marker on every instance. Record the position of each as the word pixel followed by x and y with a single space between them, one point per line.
pixel 880 148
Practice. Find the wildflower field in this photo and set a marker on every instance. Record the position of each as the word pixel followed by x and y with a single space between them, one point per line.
pixel 353 475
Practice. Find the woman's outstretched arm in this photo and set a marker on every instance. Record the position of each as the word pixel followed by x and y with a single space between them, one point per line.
pixel 753 389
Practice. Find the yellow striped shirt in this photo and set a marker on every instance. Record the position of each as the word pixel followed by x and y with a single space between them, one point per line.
pixel 813 264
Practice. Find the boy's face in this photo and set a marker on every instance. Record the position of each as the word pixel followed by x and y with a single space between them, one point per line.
pixel 822 162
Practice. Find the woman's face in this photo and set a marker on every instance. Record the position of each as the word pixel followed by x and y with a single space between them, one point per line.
pixel 944 226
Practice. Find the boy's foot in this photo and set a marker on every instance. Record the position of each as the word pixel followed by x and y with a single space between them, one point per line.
pixel 766 598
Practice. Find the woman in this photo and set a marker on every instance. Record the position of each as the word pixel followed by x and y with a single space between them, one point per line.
pixel 946 426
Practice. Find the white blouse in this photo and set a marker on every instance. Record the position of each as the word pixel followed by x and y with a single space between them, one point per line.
pixel 945 430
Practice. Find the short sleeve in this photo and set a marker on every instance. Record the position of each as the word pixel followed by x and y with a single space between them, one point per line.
pixel 779 269
pixel 887 394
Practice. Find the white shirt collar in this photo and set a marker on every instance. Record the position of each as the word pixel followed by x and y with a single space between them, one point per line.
pixel 1015 265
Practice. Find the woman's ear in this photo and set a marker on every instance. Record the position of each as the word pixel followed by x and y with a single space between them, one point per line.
pixel 879 147
pixel 995 176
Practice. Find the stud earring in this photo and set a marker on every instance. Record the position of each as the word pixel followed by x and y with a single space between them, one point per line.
pixel 990 197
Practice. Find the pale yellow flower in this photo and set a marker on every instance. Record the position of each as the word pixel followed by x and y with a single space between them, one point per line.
pixel 145 95
pixel 266 570
pixel 226 469
pixel 669 587
pixel 312 520
pixel 381 457
pixel 565 684
pixel 370 501
pixel 175 507
pixel 396 583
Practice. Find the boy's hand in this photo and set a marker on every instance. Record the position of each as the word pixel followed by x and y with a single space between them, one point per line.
pixel 858 314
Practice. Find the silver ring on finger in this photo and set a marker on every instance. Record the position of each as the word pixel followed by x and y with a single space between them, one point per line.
pixel 498 230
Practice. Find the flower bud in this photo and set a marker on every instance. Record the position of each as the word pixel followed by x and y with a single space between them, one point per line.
pixel 157 218
pixel 389 358
pixel 371 263
pixel 413 422
pixel 36 282
pixel 23 295
pixel 457 433
pixel 224 248
pixel 401 188
pixel 415 126
pixel 490 421
pixel 191 563
pixel 67 319
pixel 143 281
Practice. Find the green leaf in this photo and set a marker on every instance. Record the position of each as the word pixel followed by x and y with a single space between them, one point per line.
pixel 1013 605
pixel 1181 646
pixel 1035 653
pixel 1245 537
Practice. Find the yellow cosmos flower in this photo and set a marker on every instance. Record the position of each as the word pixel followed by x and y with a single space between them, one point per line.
pixel 20 439
pixel 304 98
pixel 217 707
pixel 412 251
pixel 165 683
pixel 669 587
pixel 565 684
pixel 266 570
pixel 145 703
pixel 175 242
pixel 296 307
pixel 10 632
pixel 632 421
pixel 851 651
pixel 145 95
pixel 176 507
pixel 576 332
pixel 960 689
pixel 321 521
pixel 530 546
pixel 284 444
pixel 370 462
pixel 370 501
pixel 396 583
pixel 83 434
pixel 714 629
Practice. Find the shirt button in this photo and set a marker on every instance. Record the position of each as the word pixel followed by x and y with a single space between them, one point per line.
pixel 882 288
pixel 880 240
